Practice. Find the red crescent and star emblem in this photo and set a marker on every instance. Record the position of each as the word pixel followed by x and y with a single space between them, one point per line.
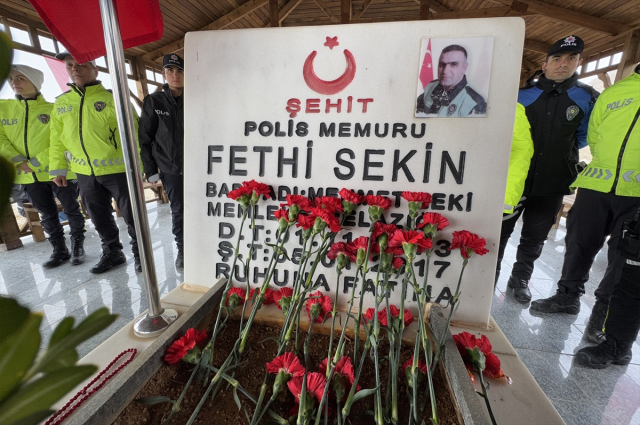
pixel 329 87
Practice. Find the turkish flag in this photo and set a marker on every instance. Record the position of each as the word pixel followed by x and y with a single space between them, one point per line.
pixel 59 71
pixel 426 73
pixel 77 24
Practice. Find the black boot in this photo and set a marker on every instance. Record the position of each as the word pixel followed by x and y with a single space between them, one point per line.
pixel 559 303
pixel 520 288
pixel 136 258
pixel 110 258
pixel 77 251
pixel 60 253
pixel 180 259
pixel 594 332
pixel 609 351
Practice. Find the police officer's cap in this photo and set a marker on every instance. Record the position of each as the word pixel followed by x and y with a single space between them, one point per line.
pixel 573 44
pixel 63 55
pixel 172 60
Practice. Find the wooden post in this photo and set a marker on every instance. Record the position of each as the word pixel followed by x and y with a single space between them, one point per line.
pixel 606 81
pixel 273 13
pixel 141 82
pixel 345 11
pixel 424 9
pixel 9 231
pixel 629 55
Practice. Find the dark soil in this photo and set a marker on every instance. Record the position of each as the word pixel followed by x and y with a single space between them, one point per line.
pixel 170 381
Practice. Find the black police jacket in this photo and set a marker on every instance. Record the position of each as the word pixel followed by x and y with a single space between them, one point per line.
pixel 559 117
pixel 161 133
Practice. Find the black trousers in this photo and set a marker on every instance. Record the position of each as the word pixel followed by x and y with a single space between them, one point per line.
pixel 538 215
pixel 43 197
pixel 623 319
pixel 174 185
pixel 97 192
pixel 593 217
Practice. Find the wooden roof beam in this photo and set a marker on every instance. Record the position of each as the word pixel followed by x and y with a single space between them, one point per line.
pixel 576 18
pixel 287 9
pixel 536 46
pixel 218 24
pixel 435 6
pixel 327 11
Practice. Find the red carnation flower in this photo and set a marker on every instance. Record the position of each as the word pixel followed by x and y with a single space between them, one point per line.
pixel 468 242
pixel 367 317
pixel 268 295
pixel 379 201
pixel 422 366
pixel 341 248
pixel 423 197
pixel 319 307
pixel 466 342
pixel 329 203
pixel 397 263
pixel 235 297
pixel 302 202
pixel 352 197
pixel 315 385
pixel 182 346
pixel 306 221
pixel 343 373
pixel 359 243
pixel 433 219
pixel 394 312
pixel 238 193
pixel 380 228
pixel 283 295
pixel 288 362
pixel 402 238
pixel 260 189
pixel 281 213
pixel 328 217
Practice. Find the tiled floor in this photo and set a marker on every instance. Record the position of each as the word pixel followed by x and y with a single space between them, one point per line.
pixel 546 344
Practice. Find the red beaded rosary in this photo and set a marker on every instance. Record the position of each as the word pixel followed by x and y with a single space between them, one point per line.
pixel 87 391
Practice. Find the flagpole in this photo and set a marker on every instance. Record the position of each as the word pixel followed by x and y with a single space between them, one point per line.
pixel 157 319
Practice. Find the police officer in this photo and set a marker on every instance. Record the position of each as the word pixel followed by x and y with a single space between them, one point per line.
pixel 24 138
pixel 609 195
pixel 450 95
pixel 161 136
pixel 85 139
pixel 557 107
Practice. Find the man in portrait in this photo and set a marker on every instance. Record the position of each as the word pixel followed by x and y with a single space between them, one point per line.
pixel 450 95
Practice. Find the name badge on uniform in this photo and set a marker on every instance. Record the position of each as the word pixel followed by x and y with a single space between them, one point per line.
pixel 451 110
pixel 572 111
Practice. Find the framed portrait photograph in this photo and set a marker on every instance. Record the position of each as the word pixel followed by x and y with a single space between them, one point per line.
pixel 453 77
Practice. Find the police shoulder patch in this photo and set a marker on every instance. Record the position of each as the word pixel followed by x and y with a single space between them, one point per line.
pixel 44 118
pixel 481 105
pixel 99 106
pixel 572 112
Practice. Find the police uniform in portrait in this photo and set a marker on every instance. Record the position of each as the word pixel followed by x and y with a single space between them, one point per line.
pixel 85 139
pixel 450 95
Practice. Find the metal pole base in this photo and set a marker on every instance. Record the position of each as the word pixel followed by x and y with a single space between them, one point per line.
pixel 149 327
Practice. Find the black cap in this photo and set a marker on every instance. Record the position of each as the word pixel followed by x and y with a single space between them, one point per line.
pixel 172 60
pixel 63 55
pixel 573 44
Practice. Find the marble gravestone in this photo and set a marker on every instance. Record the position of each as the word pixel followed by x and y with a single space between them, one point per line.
pixel 310 110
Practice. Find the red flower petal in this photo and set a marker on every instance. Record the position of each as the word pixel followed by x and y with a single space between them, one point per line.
pixel 341 248
pixel 326 305
pixel 260 189
pixel 433 219
pixel 467 242
pixel 351 196
pixel 329 203
pixel 236 292
pixel 288 362
pixel 285 292
pixel 423 197
pixel 379 201
pixel 301 201
pixel 306 221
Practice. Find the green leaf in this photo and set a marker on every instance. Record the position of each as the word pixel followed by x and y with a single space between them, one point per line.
pixel 155 400
pixel 62 330
pixel 66 359
pixel 34 419
pixel 362 394
pixel 42 393
pixel 90 326
pixel 237 399
pixel 279 419
pixel 13 317
pixel 17 353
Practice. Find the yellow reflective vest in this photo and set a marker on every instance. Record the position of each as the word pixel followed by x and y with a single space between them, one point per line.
pixel 24 136
pixel 521 153
pixel 84 133
pixel 614 140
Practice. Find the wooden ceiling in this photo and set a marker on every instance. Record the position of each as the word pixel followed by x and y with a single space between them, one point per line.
pixel 605 25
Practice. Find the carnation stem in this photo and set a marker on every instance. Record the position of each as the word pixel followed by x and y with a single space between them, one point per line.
pixel 333 319
pixel 364 269
pixel 485 395
pixel 302 412
pixel 246 270
pixel 376 333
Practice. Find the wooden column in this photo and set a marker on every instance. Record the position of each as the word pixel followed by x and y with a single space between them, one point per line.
pixel 141 82
pixel 9 231
pixel 629 55
pixel 345 11
pixel 424 9
pixel 273 13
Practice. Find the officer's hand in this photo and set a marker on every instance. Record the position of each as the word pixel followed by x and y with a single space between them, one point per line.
pixel 24 167
pixel 60 181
